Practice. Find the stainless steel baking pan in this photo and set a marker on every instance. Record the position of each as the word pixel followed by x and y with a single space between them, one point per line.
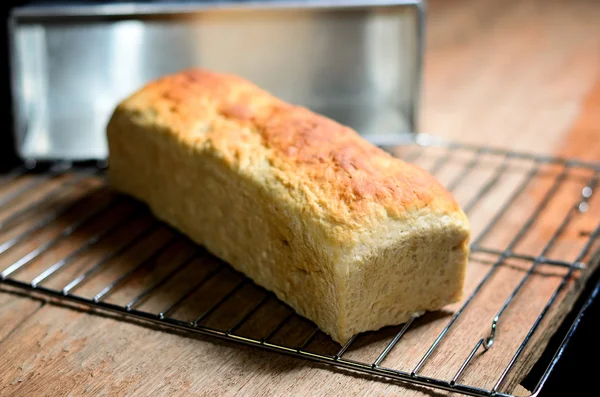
pixel 358 63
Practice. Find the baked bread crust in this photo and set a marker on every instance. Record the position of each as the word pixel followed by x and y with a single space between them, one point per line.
pixel 349 236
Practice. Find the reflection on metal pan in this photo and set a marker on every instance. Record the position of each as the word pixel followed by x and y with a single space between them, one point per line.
pixel 357 63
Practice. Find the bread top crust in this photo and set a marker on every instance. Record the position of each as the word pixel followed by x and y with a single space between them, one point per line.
pixel 342 177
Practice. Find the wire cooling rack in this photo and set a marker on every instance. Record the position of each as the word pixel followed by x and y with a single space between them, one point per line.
pixel 65 234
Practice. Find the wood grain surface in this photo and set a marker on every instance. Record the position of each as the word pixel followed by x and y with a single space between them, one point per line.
pixel 523 75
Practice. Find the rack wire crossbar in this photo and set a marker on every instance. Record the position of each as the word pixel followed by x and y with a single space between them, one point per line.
pixel 420 149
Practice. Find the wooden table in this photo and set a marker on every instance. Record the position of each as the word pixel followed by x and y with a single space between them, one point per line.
pixel 518 74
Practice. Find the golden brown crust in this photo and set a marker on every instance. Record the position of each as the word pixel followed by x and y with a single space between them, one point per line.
pixel 331 160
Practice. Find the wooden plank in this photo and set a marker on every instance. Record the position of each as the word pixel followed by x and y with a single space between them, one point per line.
pixel 515 81
pixel 508 74
pixel 85 353
pixel 14 309
pixel 521 391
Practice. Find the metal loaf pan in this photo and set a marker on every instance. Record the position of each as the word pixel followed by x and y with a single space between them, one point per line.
pixel 358 63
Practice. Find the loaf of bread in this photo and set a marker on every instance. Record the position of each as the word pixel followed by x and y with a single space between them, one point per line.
pixel 349 236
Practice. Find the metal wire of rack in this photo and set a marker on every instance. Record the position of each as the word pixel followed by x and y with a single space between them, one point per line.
pixel 62 230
